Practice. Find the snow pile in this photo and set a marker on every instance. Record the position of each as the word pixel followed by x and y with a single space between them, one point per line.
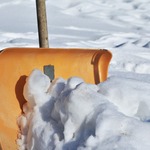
pixel 71 114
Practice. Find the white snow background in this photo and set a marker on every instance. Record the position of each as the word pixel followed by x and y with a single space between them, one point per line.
pixel 71 114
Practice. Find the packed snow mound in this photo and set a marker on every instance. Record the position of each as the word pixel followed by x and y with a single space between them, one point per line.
pixel 71 114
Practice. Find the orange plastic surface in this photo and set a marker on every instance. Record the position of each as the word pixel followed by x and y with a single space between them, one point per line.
pixel 17 63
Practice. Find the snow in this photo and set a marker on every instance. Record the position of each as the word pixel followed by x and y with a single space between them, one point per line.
pixel 72 114
pixel 75 115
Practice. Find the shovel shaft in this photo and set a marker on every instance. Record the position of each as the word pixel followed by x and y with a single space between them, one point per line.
pixel 42 23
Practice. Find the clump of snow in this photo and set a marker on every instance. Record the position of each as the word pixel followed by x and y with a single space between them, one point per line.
pixel 37 86
pixel 71 114
pixel 130 96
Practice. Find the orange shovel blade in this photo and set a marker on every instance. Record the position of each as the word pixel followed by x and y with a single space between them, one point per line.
pixel 17 63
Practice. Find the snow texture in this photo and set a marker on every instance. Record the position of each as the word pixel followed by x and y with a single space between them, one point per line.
pixel 75 115
pixel 71 114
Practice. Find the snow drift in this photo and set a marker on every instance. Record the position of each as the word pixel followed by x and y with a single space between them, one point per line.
pixel 71 114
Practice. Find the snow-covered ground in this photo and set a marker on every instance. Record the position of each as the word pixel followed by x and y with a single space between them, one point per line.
pixel 71 114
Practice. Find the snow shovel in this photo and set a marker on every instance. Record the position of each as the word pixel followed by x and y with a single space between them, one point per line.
pixel 17 63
